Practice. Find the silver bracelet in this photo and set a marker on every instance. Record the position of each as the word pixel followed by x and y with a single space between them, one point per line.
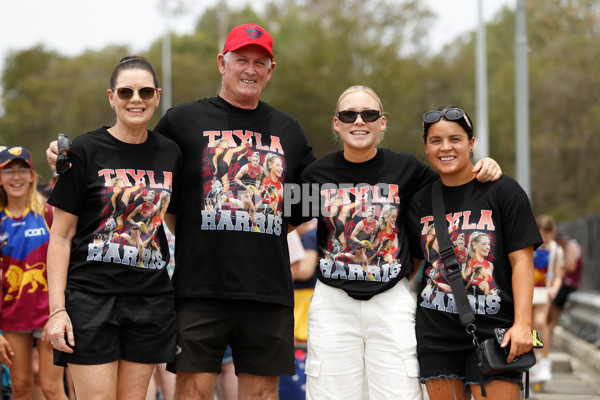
pixel 56 311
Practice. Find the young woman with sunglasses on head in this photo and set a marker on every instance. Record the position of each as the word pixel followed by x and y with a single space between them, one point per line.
pixel 112 310
pixel 25 221
pixel 496 219
pixel 361 317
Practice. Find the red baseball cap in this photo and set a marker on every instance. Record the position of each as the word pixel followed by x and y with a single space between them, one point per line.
pixel 244 35
pixel 9 154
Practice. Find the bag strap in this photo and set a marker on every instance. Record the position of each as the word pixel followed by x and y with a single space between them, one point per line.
pixel 453 268
pixel 451 265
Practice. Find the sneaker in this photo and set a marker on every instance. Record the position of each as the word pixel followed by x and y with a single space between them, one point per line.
pixel 544 370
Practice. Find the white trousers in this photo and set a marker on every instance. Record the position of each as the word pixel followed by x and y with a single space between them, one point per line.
pixel 350 340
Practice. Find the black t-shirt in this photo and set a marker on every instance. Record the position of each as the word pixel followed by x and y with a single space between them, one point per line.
pixel 361 226
pixel 120 192
pixel 231 229
pixel 491 220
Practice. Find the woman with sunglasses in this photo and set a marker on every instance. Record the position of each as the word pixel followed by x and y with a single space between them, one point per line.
pixel 25 221
pixel 497 220
pixel 112 310
pixel 361 318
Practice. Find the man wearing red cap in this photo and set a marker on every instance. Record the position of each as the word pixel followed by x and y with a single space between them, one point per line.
pixel 232 270
pixel 232 274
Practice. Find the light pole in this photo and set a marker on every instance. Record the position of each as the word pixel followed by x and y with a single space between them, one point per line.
pixel 166 99
pixel 482 147
pixel 522 99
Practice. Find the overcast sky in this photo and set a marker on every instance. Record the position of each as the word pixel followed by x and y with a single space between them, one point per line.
pixel 72 26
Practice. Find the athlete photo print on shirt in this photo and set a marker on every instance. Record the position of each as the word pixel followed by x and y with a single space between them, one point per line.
pixel 362 242
pixel 243 185
pixel 474 252
pixel 132 214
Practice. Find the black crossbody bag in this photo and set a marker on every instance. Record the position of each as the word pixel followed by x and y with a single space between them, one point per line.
pixel 492 357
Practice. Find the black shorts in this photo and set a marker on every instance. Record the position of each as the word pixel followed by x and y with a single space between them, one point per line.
pixel 562 295
pixel 461 365
pixel 108 328
pixel 261 336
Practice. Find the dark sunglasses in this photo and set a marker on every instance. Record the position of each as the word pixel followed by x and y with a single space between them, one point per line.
pixel 451 114
pixel 126 93
pixel 63 163
pixel 349 116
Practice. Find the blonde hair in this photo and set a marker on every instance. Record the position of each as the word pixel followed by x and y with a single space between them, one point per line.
pixel 370 92
pixel 35 200
pixel 473 241
pixel 546 223
pixel 386 211
pixel 269 160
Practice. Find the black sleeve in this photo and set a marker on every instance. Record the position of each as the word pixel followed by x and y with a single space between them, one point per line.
pixel 518 220
pixel 163 126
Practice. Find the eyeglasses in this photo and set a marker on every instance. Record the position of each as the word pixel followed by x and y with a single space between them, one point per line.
pixel 10 172
pixel 349 116
pixel 451 114
pixel 126 93
pixel 63 162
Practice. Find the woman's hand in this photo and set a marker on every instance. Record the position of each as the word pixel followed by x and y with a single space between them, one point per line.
pixel 59 327
pixel 6 352
pixel 520 339
pixel 487 169
pixel 52 154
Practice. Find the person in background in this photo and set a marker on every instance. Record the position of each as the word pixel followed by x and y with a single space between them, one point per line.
pixel 305 278
pixel 361 316
pixel 293 387
pixel 25 221
pixel 112 304
pixel 548 262
pixel 162 384
pixel 498 217
pixel 227 380
pixel 571 278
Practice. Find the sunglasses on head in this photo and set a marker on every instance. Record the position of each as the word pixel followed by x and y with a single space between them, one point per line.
pixel 126 93
pixel 451 114
pixel 63 162
pixel 349 116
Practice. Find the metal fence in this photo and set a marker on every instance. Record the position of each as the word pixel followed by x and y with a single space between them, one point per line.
pixel 581 315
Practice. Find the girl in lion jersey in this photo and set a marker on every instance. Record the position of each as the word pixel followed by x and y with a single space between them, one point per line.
pixel 24 234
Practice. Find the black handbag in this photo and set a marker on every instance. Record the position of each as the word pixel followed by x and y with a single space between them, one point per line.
pixel 492 357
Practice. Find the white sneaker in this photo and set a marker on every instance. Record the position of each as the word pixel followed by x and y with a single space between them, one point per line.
pixel 544 370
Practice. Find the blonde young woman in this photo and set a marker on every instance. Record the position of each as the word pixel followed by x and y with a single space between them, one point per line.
pixel 497 221
pixel 24 235
pixel 548 263
pixel 361 320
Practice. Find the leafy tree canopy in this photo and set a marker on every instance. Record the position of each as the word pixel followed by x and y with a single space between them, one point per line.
pixel 322 47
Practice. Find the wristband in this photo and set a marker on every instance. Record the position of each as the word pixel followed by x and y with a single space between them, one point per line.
pixel 56 311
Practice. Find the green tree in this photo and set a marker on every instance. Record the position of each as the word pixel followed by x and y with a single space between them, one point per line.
pixel 564 111
pixel 321 48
